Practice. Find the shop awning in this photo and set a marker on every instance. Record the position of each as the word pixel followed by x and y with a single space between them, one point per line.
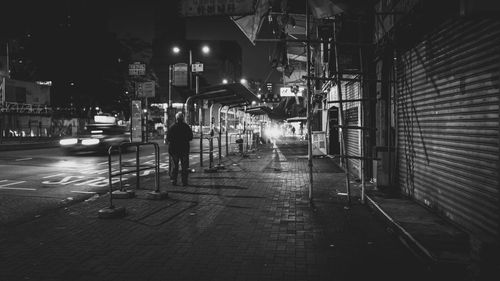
pixel 233 94
pixel 296 119
pixel 259 110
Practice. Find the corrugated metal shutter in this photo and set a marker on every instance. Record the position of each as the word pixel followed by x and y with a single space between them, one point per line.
pixel 351 112
pixel 448 123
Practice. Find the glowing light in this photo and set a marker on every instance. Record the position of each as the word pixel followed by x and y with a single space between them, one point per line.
pixel 224 81
pixel 273 132
pixel 176 50
pixel 205 49
pixel 243 81
pixel 90 141
pixel 96 132
pixel 68 141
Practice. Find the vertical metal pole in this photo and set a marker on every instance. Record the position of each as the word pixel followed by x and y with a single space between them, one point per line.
pixel 157 167
pixel 227 131
pixel 245 128
pixel 308 107
pixel 137 167
pixel 341 112
pixel 169 104
pixel 220 135
pixel 170 74
pixel 190 73
pixel 120 166
pixel 362 115
pixel 211 142
pixel 110 181
pixel 200 121
pixel 146 113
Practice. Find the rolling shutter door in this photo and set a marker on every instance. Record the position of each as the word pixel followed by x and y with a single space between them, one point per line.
pixel 351 112
pixel 448 123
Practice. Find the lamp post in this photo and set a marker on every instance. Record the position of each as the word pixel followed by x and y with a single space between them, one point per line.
pixel 205 50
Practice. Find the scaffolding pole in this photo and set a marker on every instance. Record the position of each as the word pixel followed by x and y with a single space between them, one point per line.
pixel 308 107
pixel 341 117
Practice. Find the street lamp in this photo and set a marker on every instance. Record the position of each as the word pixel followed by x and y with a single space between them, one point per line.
pixel 205 49
pixel 224 81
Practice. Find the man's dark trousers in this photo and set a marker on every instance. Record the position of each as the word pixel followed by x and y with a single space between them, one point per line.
pixel 184 159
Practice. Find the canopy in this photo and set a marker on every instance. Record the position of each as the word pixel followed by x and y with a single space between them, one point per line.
pixel 259 110
pixel 226 94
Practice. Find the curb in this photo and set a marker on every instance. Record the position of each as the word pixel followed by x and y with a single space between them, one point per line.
pixel 31 145
pixel 417 247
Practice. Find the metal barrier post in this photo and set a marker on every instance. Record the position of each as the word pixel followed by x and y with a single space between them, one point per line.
pixel 219 140
pixel 201 132
pixel 157 194
pixel 122 192
pixel 227 131
pixel 111 211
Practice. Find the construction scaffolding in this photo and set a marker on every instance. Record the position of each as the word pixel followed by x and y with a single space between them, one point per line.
pixel 351 104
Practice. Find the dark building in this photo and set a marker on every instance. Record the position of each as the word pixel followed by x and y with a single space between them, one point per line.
pixel 224 60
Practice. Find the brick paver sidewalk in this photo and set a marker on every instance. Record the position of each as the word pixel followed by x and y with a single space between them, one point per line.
pixel 251 221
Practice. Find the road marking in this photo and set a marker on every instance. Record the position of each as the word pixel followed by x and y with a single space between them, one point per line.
pixel 51 176
pixel 23 159
pixel 83 192
pixel 9 184
pixel 18 188
pixel 66 180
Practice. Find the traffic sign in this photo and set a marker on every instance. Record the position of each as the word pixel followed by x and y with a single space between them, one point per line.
pixel 197 67
pixel 136 69
pixel 146 89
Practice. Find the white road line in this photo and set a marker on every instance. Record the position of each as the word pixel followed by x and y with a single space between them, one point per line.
pixel 18 188
pixel 51 176
pixel 83 192
pixel 3 180
pixel 23 159
pixel 12 183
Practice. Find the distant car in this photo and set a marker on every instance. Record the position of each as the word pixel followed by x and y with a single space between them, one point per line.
pixel 96 138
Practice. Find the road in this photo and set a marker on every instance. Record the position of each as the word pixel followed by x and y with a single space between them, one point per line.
pixel 35 181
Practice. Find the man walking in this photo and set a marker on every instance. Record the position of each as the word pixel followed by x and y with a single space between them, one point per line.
pixel 178 137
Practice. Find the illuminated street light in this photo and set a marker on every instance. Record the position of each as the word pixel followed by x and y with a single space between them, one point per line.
pixel 176 50
pixel 205 49
pixel 224 81
pixel 243 81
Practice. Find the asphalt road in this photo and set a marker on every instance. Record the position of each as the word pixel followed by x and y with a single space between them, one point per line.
pixel 38 180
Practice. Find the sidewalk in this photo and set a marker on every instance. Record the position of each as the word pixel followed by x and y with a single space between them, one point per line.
pixel 250 221
pixel 27 143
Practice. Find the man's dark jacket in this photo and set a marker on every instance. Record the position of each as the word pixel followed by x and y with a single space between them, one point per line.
pixel 178 138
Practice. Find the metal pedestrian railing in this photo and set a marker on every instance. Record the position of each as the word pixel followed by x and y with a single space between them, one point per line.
pixel 121 193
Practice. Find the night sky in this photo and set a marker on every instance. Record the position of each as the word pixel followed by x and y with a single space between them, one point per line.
pixel 78 45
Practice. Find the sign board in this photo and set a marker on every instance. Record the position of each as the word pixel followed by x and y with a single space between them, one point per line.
pixel 197 67
pixel 287 92
pixel 197 8
pixel 146 89
pixel 136 69
pixel 180 75
pixel 136 121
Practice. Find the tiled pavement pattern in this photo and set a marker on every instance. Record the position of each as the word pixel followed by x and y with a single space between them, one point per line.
pixel 251 221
